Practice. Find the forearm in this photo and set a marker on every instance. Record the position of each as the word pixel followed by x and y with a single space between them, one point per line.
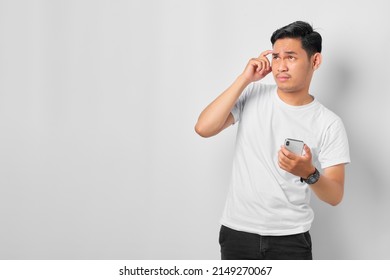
pixel 330 188
pixel 328 191
pixel 214 116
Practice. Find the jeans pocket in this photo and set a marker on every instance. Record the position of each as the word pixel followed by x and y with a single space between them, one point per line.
pixel 222 234
pixel 306 239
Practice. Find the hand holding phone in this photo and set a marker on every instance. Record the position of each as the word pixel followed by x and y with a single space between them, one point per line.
pixel 294 146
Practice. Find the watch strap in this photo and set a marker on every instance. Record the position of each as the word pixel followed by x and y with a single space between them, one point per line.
pixel 313 178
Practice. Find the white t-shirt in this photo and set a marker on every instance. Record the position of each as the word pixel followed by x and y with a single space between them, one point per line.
pixel 263 198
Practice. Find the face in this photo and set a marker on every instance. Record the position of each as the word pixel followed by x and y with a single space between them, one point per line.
pixel 291 67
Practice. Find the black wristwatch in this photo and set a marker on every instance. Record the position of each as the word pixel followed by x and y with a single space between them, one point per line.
pixel 313 178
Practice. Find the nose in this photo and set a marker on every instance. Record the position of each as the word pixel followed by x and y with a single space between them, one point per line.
pixel 282 66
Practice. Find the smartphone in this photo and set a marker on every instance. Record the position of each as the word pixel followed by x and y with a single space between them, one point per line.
pixel 293 145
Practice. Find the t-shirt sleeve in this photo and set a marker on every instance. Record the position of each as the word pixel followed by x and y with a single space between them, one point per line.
pixel 335 147
pixel 240 104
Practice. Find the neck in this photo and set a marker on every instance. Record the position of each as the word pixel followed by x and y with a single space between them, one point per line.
pixel 295 98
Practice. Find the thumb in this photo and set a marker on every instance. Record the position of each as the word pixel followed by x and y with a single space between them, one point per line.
pixel 307 151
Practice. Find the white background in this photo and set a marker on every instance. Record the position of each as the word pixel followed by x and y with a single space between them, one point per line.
pixel 98 100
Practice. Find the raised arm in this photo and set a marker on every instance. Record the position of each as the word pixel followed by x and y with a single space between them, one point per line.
pixel 216 116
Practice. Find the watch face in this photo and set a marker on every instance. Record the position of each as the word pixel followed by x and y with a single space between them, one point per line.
pixel 313 178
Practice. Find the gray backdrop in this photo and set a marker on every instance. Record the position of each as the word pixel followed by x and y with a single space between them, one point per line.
pixel 98 100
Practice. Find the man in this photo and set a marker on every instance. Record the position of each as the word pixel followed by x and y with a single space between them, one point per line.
pixel 267 213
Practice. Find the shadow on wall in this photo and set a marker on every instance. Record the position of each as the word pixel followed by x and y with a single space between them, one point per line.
pixel 339 231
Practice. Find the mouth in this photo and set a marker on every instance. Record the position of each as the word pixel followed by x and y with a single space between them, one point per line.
pixel 282 78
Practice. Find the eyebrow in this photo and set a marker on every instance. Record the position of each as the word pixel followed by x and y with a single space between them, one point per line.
pixel 289 52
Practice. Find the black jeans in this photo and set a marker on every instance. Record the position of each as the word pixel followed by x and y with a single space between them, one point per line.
pixel 239 245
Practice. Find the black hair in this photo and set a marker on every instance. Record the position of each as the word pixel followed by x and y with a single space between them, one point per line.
pixel 311 40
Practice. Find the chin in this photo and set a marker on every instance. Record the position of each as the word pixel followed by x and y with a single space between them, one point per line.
pixel 285 88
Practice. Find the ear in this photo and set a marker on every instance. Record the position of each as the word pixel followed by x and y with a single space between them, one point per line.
pixel 316 60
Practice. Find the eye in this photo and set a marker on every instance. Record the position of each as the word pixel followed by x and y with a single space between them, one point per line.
pixel 291 58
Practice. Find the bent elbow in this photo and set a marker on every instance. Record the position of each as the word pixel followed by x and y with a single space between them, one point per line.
pixel 201 131
pixel 336 201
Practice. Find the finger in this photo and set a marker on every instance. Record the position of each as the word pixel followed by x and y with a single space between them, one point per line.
pixel 266 65
pixel 283 159
pixel 255 64
pixel 265 53
pixel 287 153
pixel 283 165
pixel 262 66
pixel 263 57
pixel 280 159
pixel 307 151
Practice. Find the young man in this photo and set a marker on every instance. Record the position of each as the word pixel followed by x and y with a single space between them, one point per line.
pixel 267 213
